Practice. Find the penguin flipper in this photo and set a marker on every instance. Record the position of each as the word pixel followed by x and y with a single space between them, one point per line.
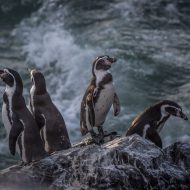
pixel 154 137
pixel 87 108
pixel 40 120
pixel 116 105
pixel 90 99
pixel 15 131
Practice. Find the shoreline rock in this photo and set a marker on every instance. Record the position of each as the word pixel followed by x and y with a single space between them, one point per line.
pixel 124 163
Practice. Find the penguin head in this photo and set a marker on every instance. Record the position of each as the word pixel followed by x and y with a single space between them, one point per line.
pixel 38 81
pixel 11 78
pixel 171 108
pixel 102 64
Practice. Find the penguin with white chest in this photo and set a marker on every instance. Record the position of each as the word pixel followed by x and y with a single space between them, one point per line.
pixel 98 99
pixel 21 127
pixel 50 121
pixel 149 123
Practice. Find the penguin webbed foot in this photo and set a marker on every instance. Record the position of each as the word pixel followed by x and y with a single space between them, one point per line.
pixel 22 163
pixel 98 141
pixel 97 138
pixel 103 136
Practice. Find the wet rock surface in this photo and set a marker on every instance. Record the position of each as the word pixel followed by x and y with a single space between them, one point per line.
pixel 124 163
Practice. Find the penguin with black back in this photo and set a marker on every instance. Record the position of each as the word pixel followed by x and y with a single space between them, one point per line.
pixel 98 99
pixel 149 123
pixel 21 128
pixel 50 121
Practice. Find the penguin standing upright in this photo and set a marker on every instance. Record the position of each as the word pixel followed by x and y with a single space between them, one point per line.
pixel 98 99
pixel 149 123
pixel 21 127
pixel 50 121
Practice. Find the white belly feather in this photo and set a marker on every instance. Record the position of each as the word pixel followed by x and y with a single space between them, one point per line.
pixel 5 119
pixel 32 90
pixel 103 104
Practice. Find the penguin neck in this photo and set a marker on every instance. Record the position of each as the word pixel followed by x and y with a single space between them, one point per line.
pixel 38 89
pixel 101 75
pixel 10 91
pixel 161 123
pixel 163 112
pixel 164 116
pixel 13 99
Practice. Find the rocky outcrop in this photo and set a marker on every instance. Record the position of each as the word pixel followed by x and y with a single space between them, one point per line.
pixel 124 163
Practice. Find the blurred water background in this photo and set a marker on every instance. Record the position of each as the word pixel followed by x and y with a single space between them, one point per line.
pixel 150 39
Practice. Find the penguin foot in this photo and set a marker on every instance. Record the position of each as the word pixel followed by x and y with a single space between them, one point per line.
pixel 101 134
pixel 22 163
pixel 98 140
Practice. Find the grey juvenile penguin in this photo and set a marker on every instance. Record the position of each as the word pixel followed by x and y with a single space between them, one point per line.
pixel 149 123
pixel 21 127
pixel 50 121
pixel 98 98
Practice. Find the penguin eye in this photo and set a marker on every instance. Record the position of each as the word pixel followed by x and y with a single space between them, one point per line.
pixel 99 64
pixel 101 61
pixel 8 79
pixel 170 110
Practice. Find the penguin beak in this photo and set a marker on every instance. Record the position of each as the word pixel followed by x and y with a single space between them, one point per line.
pixel 30 71
pixel 1 73
pixel 183 116
pixel 108 63
pixel 112 59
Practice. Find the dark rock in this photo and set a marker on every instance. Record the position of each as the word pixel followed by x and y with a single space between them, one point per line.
pixel 179 154
pixel 124 163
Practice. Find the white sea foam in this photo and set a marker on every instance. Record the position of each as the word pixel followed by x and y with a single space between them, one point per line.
pixel 66 66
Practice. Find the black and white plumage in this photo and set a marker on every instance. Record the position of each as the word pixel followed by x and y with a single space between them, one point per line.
pixel 20 126
pixel 50 121
pixel 98 98
pixel 150 122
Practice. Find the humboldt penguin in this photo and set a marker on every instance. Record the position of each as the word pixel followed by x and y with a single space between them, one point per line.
pixel 149 123
pixel 98 99
pixel 50 121
pixel 21 128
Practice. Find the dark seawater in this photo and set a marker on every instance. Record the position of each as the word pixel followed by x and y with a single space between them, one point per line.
pixel 151 40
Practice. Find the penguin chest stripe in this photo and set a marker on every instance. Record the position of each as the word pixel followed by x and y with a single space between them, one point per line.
pixel 146 127
pixel 6 119
pixel 23 144
pixel 161 125
pixel 44 134
pixel 32 90
pixel 89 126
pixel 23 147
pixel 10 92
pixel 9 106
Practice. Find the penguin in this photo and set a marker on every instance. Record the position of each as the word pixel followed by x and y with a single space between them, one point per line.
pixel 21 128
pixel 50 121
pixel 149 123
pixel 98 99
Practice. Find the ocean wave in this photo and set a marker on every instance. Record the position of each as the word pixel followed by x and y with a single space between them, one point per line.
pixel 16 5
pixel 51 49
